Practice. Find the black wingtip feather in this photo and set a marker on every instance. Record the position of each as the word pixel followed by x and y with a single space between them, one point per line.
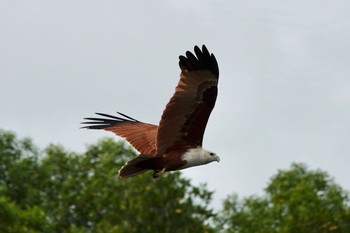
pixel 203 60
pixel 107 121
pixel 126 116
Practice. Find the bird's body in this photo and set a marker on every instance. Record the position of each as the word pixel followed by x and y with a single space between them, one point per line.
pixel 177 142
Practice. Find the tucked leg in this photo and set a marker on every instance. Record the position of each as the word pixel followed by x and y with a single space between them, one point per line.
pixel 158 173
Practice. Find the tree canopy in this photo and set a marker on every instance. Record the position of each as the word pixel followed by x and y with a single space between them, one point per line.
pixel 297 200
pixel 57 190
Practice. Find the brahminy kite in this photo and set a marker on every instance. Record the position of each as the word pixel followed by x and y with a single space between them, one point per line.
pixel 177 142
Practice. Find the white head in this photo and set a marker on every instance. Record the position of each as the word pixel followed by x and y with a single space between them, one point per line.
pixel 199 156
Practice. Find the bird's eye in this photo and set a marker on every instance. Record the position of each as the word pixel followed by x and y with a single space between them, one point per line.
pixel 212 154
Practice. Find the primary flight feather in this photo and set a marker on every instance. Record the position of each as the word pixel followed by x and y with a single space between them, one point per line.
pixel 177 142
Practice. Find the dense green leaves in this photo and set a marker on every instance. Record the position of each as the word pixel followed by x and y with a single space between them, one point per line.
pixel 15 219
pixel 296 200
pixel 55 190
pixel 66 192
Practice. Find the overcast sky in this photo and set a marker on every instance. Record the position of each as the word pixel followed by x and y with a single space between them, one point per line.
pixel 284 89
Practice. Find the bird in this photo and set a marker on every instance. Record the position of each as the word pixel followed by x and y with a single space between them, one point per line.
pixel 176 143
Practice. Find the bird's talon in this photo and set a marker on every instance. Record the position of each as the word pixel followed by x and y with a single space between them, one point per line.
pixel 158 173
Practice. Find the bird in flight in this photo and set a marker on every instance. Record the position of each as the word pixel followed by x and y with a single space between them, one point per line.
pixel 177 142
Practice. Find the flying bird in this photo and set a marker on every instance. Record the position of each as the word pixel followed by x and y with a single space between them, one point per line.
pixel 177 142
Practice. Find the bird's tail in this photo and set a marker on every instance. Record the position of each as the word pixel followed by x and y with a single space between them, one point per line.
pixel 135 166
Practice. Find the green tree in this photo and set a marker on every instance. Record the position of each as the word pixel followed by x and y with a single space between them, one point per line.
pixel 56 190
pixel 28 220
pixel 296 201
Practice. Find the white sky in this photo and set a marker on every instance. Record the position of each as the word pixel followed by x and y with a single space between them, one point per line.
pixel 284 90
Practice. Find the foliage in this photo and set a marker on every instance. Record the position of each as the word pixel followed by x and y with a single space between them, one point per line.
pixel 55 190
pixel 59 191
pixel 296 201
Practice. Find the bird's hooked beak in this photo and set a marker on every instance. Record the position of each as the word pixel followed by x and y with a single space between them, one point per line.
pixel 216 158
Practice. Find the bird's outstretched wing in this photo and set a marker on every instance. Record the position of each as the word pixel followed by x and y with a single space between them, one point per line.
pixel 186 115
pixel 140 135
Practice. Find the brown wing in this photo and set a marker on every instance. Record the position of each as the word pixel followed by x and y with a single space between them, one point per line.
pixel 186 115
pixel 140 135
